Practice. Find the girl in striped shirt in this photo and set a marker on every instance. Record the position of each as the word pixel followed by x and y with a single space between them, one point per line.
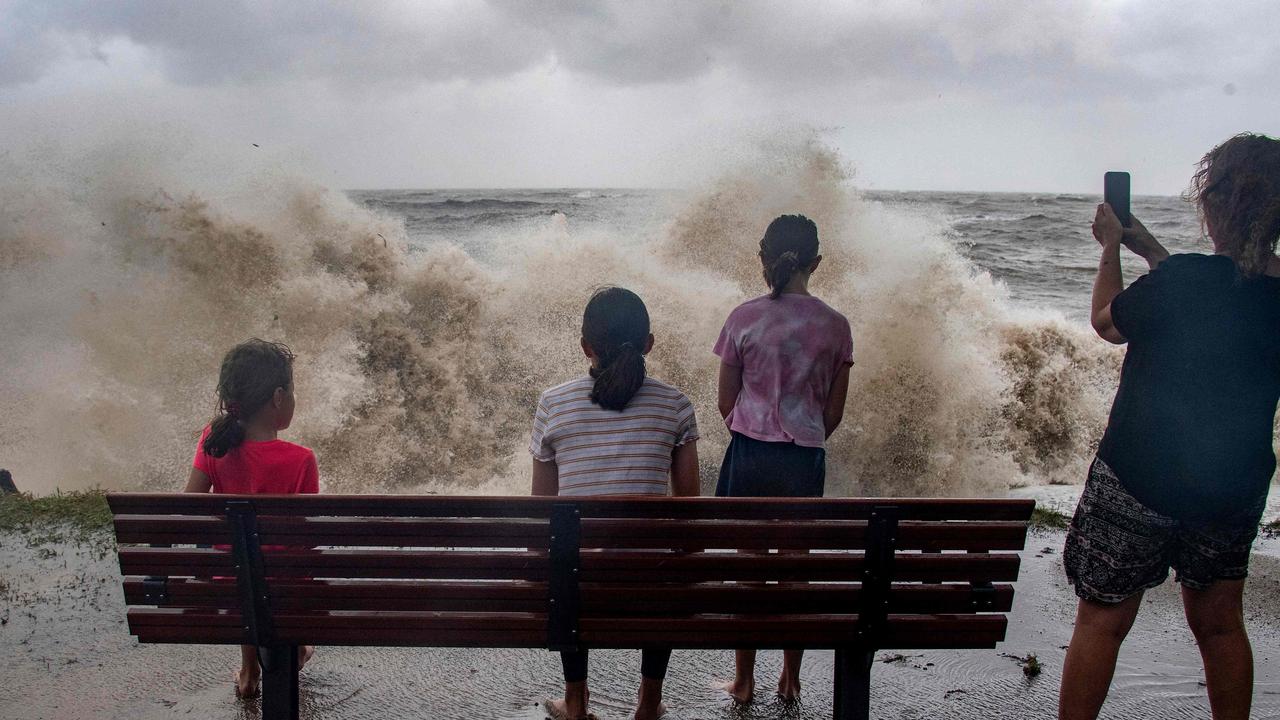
pixel 615 431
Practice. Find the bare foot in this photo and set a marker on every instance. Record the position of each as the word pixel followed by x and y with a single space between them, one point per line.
pixel 788 689
pixel 305 653
pixel 649 713
pixel 741 692
pixel 557 710
pixel 248 685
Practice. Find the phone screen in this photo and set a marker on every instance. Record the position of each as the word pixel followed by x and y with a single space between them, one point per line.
pixel 1115 192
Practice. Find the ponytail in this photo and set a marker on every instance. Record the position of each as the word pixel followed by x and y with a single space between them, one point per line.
pixel 225 433
pixel 616 327
pixel 790 243
pixel 250 374
pixel 780 272
pixel 618 379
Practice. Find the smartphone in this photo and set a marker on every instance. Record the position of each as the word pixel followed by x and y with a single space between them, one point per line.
pixel 1115 192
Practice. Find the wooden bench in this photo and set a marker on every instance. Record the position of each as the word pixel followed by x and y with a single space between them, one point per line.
pixel 855 575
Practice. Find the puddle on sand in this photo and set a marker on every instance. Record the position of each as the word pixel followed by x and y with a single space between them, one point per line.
pixel 65 653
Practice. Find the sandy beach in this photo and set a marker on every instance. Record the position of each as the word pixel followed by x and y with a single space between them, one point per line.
pixel 65 649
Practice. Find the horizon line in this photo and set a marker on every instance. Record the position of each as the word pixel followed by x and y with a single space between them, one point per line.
pixel 641 188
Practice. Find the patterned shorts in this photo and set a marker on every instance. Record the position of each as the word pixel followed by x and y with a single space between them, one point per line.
pixel 1117 546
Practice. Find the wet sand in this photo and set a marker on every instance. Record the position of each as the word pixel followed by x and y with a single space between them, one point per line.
pixel 65 653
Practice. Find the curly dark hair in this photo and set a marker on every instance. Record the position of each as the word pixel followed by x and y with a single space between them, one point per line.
pixel 1236 188
pixel 250 374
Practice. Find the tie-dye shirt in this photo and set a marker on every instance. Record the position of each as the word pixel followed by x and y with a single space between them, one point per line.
pixel 790 350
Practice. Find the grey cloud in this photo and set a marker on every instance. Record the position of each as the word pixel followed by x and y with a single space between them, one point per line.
pixel 207 43
pixel 26 46
pixel 1065 48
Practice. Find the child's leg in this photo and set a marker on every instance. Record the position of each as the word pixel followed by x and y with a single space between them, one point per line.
pixel 249 678
pixel 653 669
pixel 574 704
pixel 305 653
pixel 744 679
pixel 789 681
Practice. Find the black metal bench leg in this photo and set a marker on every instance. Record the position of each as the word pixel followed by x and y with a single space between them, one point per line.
pixel 853 683
pixel 280 682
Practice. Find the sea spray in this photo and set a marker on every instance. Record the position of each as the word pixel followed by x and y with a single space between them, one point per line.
pixel 418 367
pixel 954 391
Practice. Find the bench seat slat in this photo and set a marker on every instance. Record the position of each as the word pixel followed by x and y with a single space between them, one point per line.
pixel 903 632
pixel 812 534
pixel 302 531
pixel 540 507
pixel 597 600
pixel 406 621
pixel 202 562
pixel 778 599
pixel 528 630
pixel 342 636
pixel 642 567
pixel 433 629
pixel 324 595
pixel 409 564
pixel 176 561
pixel 596 532
pixel 637 567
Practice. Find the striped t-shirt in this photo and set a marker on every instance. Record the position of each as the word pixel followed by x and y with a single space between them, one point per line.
pixel 612 452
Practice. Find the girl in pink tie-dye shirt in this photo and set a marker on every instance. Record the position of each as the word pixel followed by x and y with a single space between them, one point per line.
pixel 784 375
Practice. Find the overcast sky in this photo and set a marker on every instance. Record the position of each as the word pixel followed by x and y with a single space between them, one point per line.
pixel 1040 96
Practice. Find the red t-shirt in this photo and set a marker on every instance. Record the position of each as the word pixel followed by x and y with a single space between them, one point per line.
pixel 276 467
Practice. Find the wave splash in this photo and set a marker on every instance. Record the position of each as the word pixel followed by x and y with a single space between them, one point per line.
pixel 418 371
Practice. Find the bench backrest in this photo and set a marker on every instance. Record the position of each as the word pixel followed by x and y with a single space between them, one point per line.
pixel 560 572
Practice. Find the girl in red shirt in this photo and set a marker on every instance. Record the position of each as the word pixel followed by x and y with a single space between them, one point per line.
pixel 240 453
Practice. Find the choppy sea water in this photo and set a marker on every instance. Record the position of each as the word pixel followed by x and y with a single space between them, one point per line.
pixel 1038 245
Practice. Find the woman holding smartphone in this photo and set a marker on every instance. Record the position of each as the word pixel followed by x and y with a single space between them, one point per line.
pixel 1182 473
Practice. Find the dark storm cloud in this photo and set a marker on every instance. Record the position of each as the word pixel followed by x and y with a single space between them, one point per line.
pixel 897 49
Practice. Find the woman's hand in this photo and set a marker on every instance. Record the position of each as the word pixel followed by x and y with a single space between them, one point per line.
pixel 1107 229
pixel 1140 240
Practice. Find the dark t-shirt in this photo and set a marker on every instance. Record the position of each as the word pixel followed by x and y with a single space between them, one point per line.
pixel 1191 427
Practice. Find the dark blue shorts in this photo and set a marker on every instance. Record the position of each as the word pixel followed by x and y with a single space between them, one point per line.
pixel 754 468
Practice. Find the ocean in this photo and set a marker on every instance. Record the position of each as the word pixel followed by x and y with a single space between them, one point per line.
pixel 1038 245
